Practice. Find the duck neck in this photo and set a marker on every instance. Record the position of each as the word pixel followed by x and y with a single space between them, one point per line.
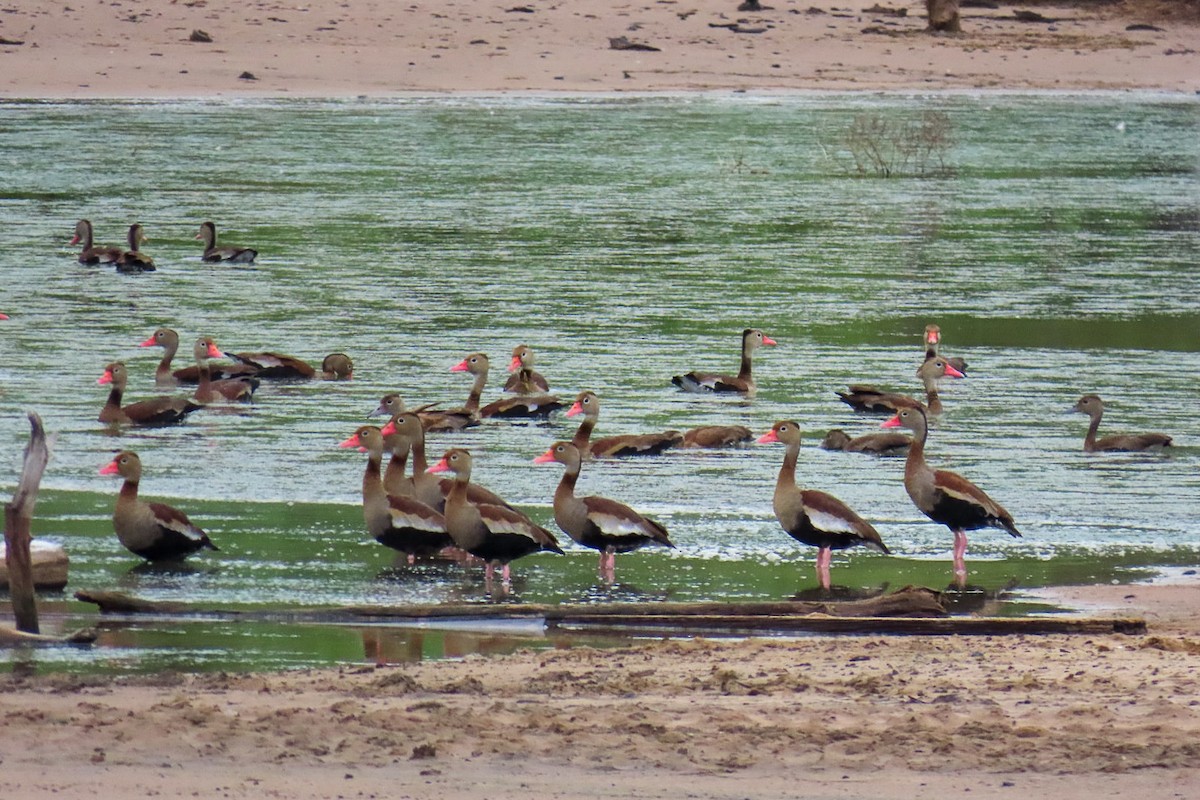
pixel 163 373
pixel 114 400
pixel 583 434
pixel 372 482
pixel 916 451
pixel 128 494
pixel 744 370
pixel 210 237
pixel 932 401
pixel 566 486
pixel 1089 440
pixel 472 406
pixel 787 471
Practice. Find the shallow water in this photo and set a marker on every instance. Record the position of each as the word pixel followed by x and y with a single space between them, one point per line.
pixel 625 240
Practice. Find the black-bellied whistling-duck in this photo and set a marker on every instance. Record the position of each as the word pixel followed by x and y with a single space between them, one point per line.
pixel 208 390
pixel 946 497
pixel 154 531
pixel 867 398
pixel 337 367
pixel 523 379
pixel 811 517
pixel 276 366
pixel 168 339
pixel 742 383
pixel 933 340
pixel 212 253
pixel 406 435
pixel 400 522
pixel 496 534
pixel 716 436
pixel 533 405
pixel 598 522
pixel 133 259
pixel 1093 406
pixel 629 444
pixel 881 444
pixel 162 410
pixel 92 253
pixel 433 420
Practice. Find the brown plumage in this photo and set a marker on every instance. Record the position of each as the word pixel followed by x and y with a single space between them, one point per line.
pixel 92 253
pixel 337 367
pixel 867 398
pixel 1093 406
pixel 523 379
pixel 629 444
pixel 400 522
pixel 213 254
pixel 946 497
pixel 432 420
pixel 154 531
pixel 134 260
pixel 275 366
pixel 210 391
pixel 881 444
pixel 742 383
pixel 535 405
pixel 933 339
pixel 716 436
pixel 496 534
pixel 405 435
pixel 812 517
pixel 168 339
pixel 161 410
pixel 598 522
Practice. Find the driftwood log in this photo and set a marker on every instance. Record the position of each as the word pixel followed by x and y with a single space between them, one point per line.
pixel 18 517
pixel 50 565
pixel 911 610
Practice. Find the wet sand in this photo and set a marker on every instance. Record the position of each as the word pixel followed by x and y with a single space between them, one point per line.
pixel 1069 716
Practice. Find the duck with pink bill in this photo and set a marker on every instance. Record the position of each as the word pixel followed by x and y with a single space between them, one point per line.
pixel 866 398
pixel 495 534
pixel 933 341
pixel 813 517
pixel 528 405
pixel 946 497
pixel 160 410
pixel 742 383
pixel 598 522
pixel 524 380
pixel 154 531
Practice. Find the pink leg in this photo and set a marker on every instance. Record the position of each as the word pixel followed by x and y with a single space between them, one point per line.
pixel 960 559
pixel 489 572
pixel 824 557
pixel 608 566
pixel 411 559
pixel 506 574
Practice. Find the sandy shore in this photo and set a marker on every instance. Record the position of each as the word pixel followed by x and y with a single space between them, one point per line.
pixel 823 717
pixel 142 48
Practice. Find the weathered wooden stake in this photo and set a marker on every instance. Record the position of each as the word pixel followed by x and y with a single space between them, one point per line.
pixel 18 518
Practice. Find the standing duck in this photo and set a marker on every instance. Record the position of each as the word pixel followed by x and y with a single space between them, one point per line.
pixel 629 444
pixel 716 436
pixel 337 367
pixel 946 497
pixel 811 517
pixel 598 522
pixel 161 410
pixel 168 339
pixel 209 391
pixel 523 379
pixel 400 522
pixel 92 253
pixel 495 534
pixel 867 398
pixel 433 421
pixel 742 383
pixel 534 405
pixel 213 254
pixel 880 444
pixel 154 531
pixel 1093 406
pixel 405 434
pixel 933 339
pixel 134 260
